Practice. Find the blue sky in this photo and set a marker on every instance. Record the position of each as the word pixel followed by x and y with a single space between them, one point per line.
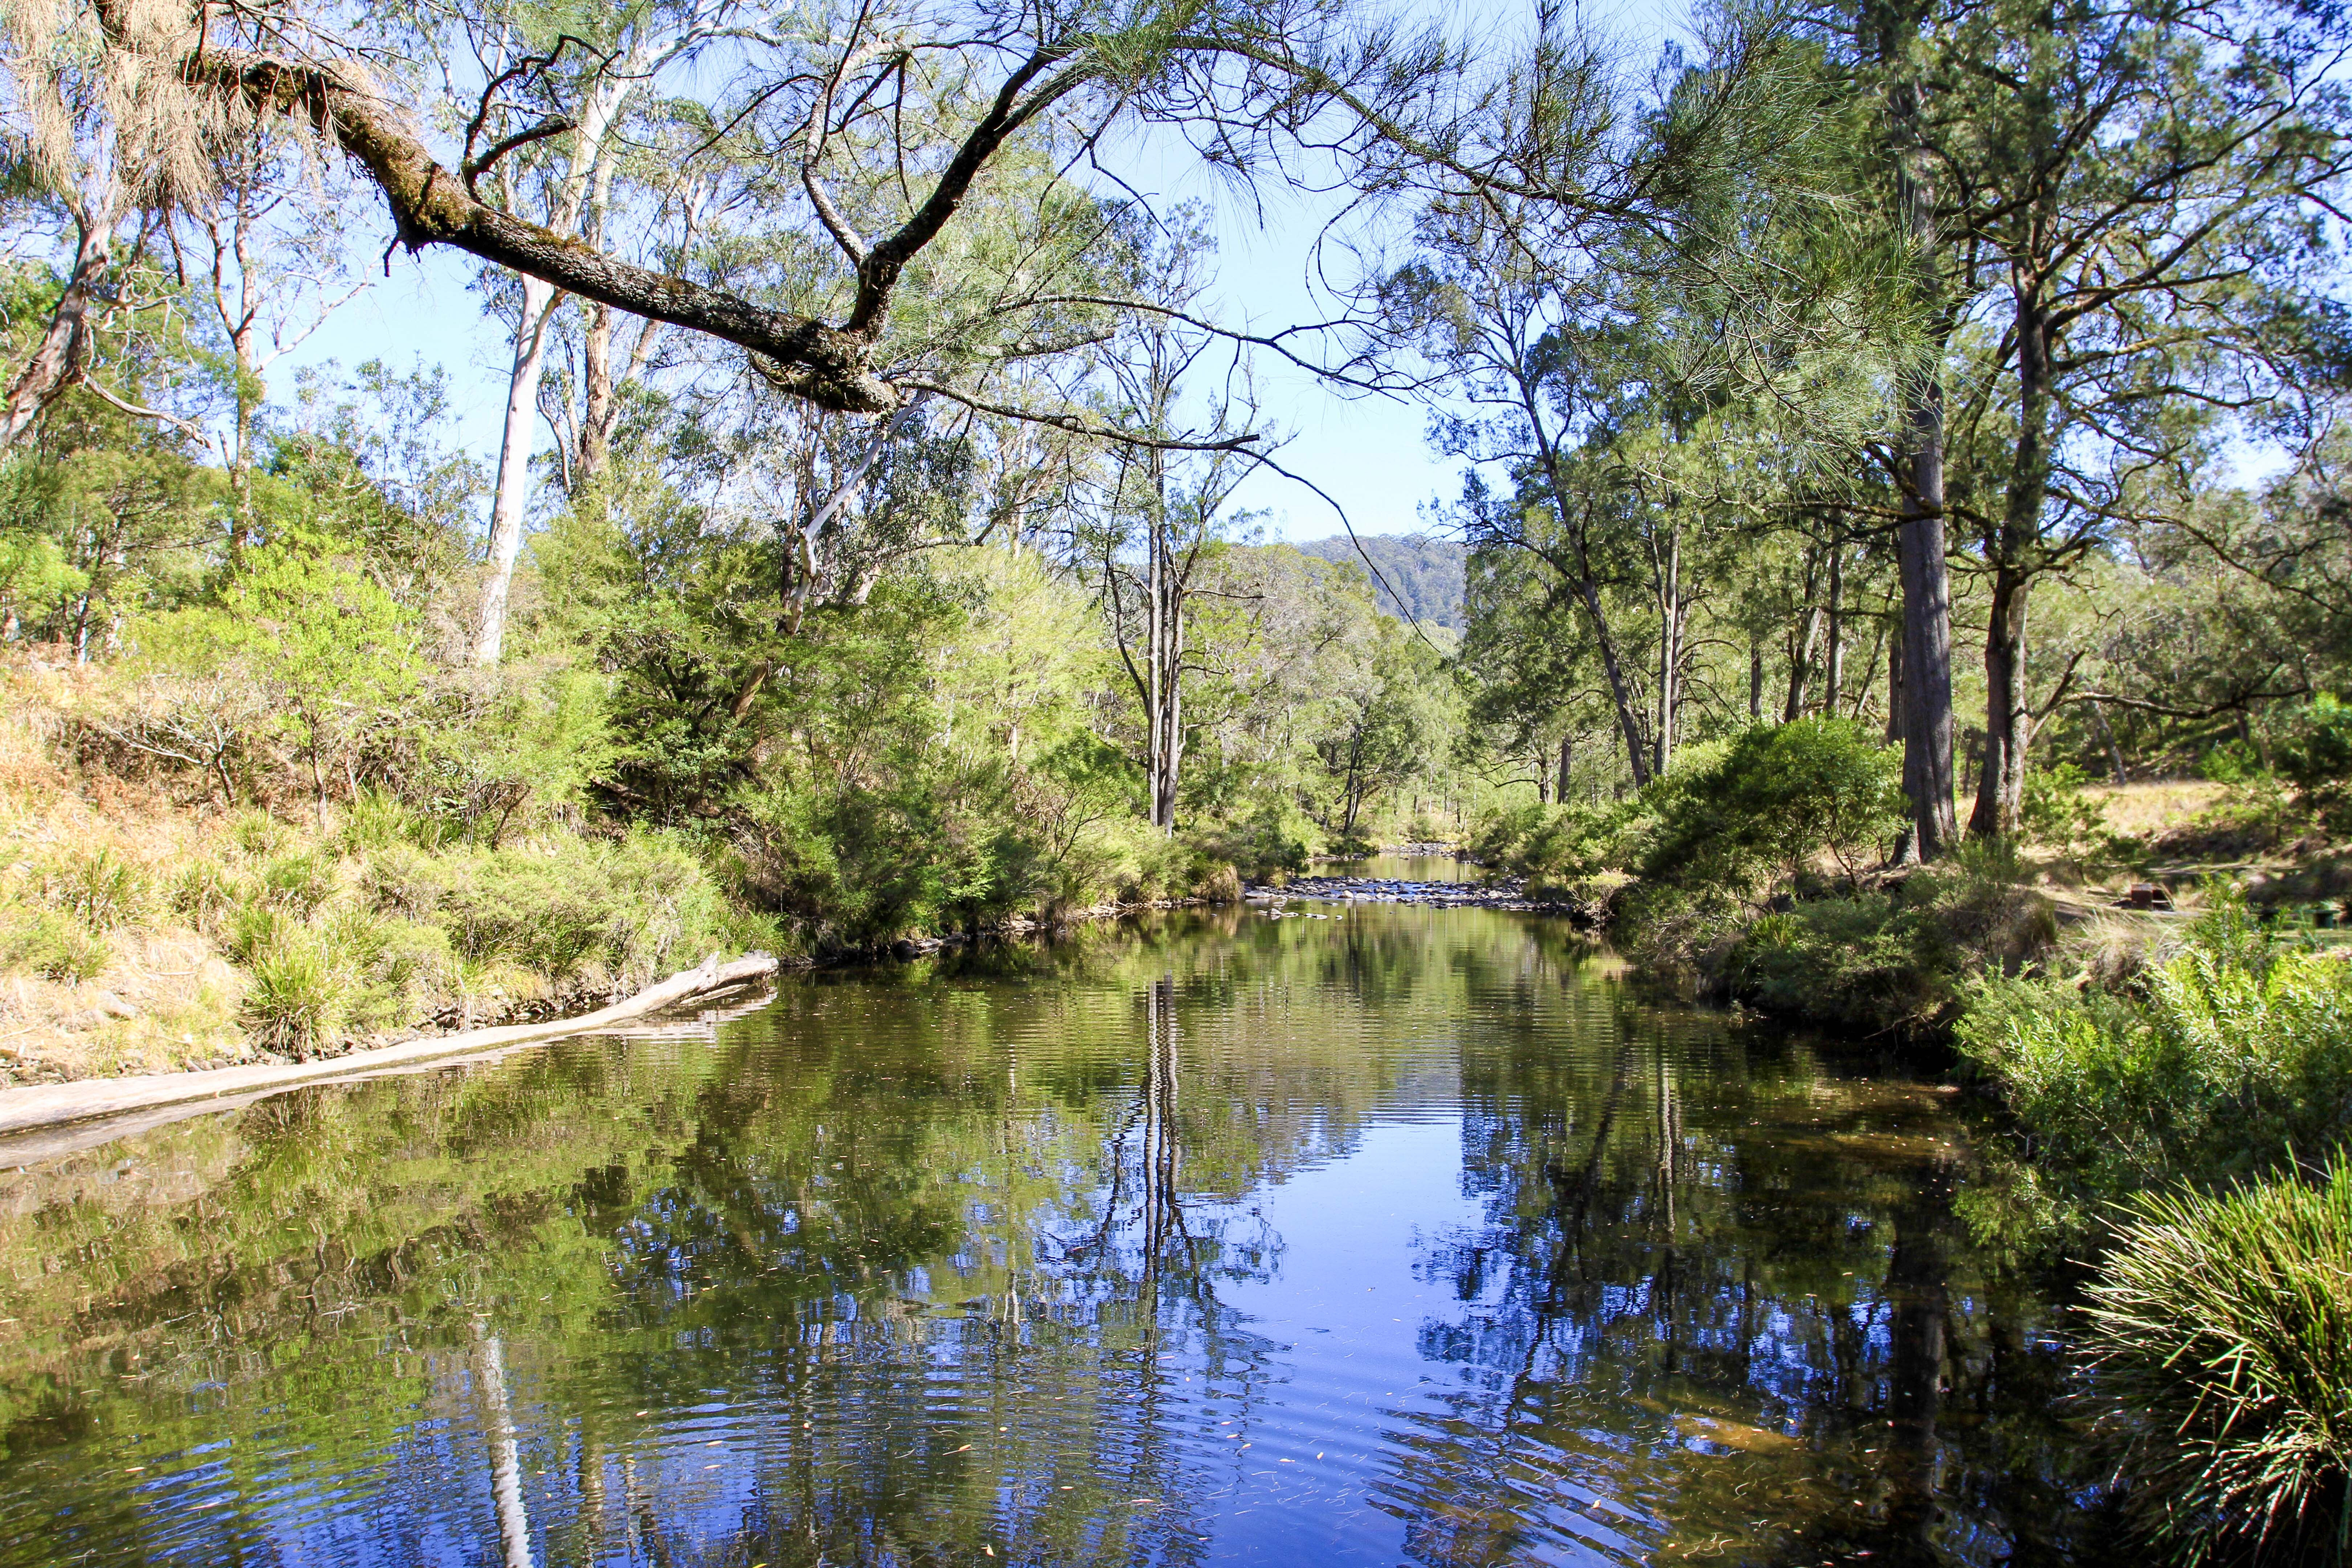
pixel 1370 455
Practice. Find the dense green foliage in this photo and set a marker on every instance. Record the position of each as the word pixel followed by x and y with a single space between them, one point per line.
pixel 2230 1061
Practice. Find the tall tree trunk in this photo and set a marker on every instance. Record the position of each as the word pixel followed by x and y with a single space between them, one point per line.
pixel 250 390
pixel 2009 722
pixel 1612 666
pixel 1559 787
pixel 539 302
pixel 2009 717
pixel 1833 663
pixel 1755 681
pixel 597 395
pixel 1172 706
pixel 1670 650
pixel 1869 673
pixel 1543 777
pixel 1802 638
pixel 1154 697
pixel 540 299
pixel 1895 698
pixel 1588 590
pixel 2108 739
pixel 1924 648
pixel 63 353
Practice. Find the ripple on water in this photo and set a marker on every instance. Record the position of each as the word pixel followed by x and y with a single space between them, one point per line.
pixel 1405 1237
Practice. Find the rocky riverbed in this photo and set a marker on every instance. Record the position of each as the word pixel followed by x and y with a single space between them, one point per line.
pixel 1503 893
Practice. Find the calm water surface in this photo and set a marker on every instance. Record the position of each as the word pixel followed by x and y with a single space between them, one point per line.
pixel 1406 1236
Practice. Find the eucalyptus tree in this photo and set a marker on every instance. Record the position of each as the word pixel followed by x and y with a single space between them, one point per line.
pixel 1167 512
pixel 111 150
pixel 273 254
pixel 1506 335
pixel 557 88
pixel 1528 661
pixel 2131 200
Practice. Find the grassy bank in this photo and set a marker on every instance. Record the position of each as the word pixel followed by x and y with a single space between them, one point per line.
pixel 139 935
pixel 2183 1125
pixel 146 927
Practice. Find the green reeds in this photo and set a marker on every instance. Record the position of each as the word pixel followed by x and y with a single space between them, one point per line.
pixel 2223 1329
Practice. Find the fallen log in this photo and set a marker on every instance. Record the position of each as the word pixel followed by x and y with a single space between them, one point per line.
pixel 44 1105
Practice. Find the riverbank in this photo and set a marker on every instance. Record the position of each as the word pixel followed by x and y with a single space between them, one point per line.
pixel 31 1107
pixel 146 927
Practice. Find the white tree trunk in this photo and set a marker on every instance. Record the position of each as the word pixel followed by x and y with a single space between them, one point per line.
pixel 539 298
pixel 539 301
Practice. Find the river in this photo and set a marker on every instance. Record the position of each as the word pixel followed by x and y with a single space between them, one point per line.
pixel 1400 1235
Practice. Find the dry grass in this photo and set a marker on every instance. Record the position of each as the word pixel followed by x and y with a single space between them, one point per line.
pixel 142 933
pixel 161 996
pixel 2145 810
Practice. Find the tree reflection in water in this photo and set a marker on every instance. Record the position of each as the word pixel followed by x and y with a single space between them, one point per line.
pixel 1057 1256
pixel 1728 1314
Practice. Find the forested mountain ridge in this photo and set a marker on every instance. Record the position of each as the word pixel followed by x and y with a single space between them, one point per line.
pixel 1419 575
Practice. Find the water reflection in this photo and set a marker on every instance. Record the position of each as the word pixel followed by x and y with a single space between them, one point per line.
pixel 1408 1234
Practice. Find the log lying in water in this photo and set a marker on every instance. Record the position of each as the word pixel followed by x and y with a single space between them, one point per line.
pixel 44 1105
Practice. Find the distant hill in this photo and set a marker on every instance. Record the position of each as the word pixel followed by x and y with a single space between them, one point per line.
pixel 1424 574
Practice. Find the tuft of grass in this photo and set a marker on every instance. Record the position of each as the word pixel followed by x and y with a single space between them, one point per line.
pixel 258 833
pixel 96 886
pixel 299 998
pixel 43 942
pixel 2222 1326
pixel 203 891
pixel 298 882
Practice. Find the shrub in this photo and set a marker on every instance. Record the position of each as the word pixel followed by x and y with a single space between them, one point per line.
pixel 858 864
pixel 1777 795
pixel 2230 1060
pixel 2316 758
pixel 2222 1326
pixel 406 880
pixel 627 909
pixel 1898 957
pixel 514 744
pixel 1276 840
pixel 2057 813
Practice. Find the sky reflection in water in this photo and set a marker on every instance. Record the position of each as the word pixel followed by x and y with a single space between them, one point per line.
pixel 1406 1236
